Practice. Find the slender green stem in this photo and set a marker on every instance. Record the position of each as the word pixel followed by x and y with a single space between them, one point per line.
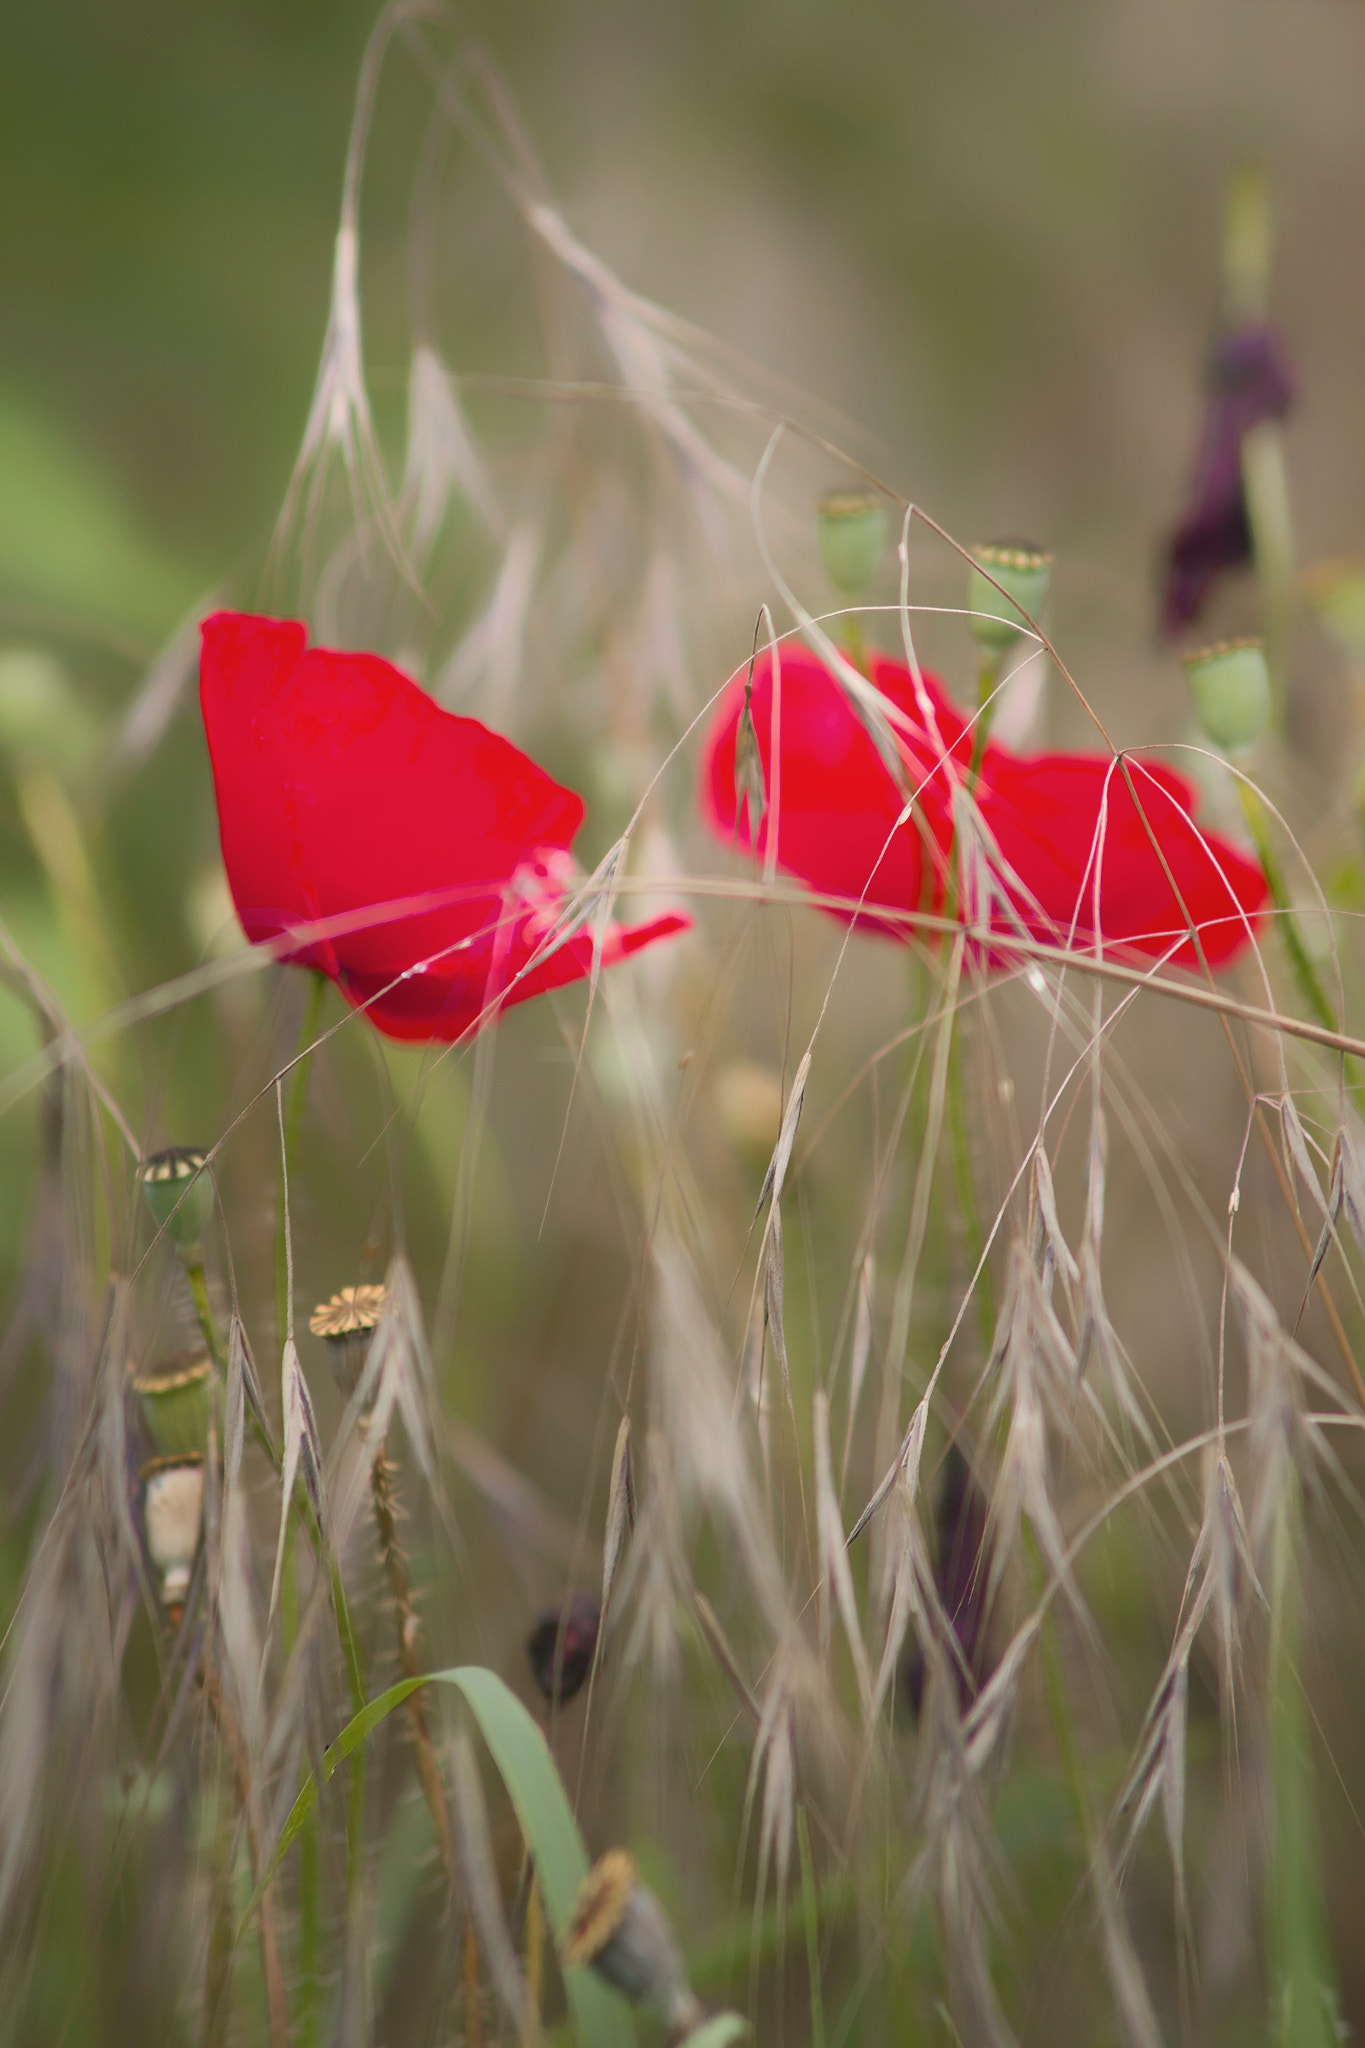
pixel 1058 1705
pixel 1299 959
pixel 1303 1988
pixel 966 1191
pixel 203 1308
pixel 811 1910
pixel 298 1083
pixel 308 2002
pixel 987 676
pixel 855 647
pixel 1265 487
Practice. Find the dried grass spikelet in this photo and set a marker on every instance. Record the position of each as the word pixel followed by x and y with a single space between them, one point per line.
pixel 655 1580
pixel 958 1859
pixel 173 1520
pixel 60 1682
pixel 1284 1444
pixel 619 1929
pixel 1037 1383
pixel 348 1321
pixel 692 1406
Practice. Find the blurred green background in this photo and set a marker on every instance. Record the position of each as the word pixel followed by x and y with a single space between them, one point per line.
pixel 988 232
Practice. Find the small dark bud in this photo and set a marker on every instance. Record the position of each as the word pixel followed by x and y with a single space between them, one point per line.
pixel 561 1648
pixel 960 1569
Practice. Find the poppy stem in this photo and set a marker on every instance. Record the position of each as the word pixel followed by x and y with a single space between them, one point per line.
pixel 1303 1979
pixel 1265 487
pixel 409 1661
pixel 987 676
pixel 960 1141
pixel 1299 959
pixel 298 1082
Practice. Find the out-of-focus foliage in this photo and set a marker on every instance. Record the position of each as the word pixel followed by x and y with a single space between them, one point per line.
pixel 988 237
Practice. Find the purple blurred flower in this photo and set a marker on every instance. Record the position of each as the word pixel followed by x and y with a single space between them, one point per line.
pixel 561 1647
pixel 960 1571
pixel 1250 379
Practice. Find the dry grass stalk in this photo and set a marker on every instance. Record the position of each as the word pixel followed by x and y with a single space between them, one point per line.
pixel 409 1628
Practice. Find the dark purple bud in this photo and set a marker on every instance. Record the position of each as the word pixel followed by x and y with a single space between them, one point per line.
pixel 960 1572
pixel 1250 379
pixel 562 1645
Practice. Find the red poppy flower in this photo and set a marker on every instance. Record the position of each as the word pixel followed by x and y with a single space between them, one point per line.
pixel 1049 821
pixel 343 789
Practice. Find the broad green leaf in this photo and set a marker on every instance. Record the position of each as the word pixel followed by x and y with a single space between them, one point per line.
pixel 601 2019
pixel 68 544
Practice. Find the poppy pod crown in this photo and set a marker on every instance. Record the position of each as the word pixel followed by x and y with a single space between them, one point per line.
pixel 432 851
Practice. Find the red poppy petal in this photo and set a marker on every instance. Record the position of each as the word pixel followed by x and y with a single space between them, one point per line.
pixel 436 849
pixel 447 1005
pixel 1045 814
pixel 837 804
pixel 341 785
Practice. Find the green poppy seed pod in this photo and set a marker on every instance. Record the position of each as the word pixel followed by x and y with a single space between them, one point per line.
pixel 1024 573
pixel 619 1930
pixel 1230 687
pixel 348 1323
pixel 175 1398
pixel 172 1517
pixel 851 528
pixel 179 1191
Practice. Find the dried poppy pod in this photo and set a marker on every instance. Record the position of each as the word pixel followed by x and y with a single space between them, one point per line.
pixel 618 1929
pixel 179 1192
pixel 172 1517
pixel 1230 689
pixel 562 1645
pixel 851 529
pixel 1024 574
pixel 176 1397
pixel 348 1322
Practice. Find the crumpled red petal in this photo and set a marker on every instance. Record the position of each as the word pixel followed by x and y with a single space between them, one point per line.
pixel 343 789
pixel 1053 818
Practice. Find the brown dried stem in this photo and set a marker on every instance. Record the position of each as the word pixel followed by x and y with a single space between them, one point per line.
pixel 409 1640
pixel 276 2005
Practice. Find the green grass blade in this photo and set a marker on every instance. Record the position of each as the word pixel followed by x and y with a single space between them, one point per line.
pixel 719 2032
pixel 811 1913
